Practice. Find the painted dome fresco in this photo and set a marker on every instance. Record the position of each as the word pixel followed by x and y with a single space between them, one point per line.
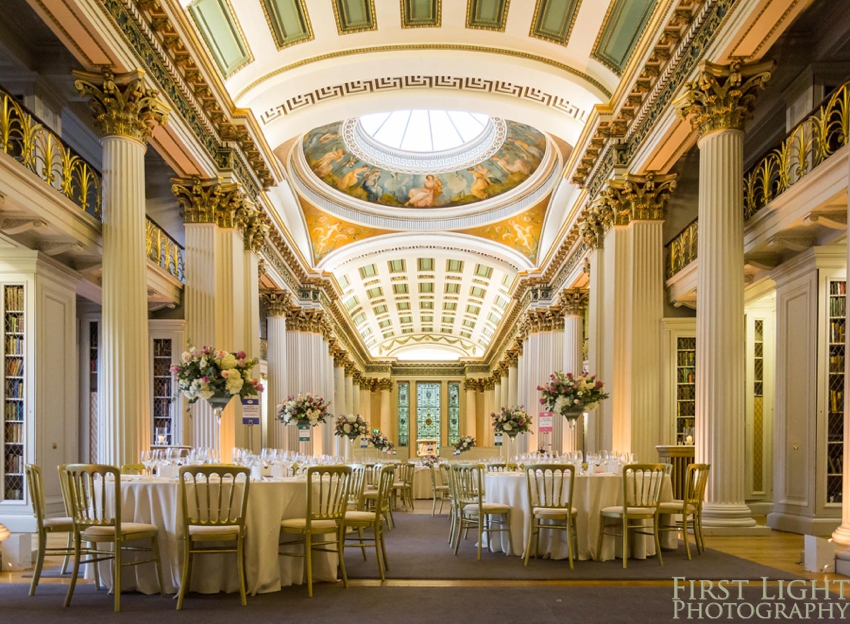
pixel 424 158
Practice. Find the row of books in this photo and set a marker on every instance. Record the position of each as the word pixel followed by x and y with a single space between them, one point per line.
pixel 836 464
pixel 838 306
pixel 14 345
pixel 14 388
pixel 15 433
pixel 14 322
pixel 687 358
pixel 836 331
pixel 687 408
pixel 686 393
pixel 14 297
pixel 838 288
pixel 836 363
pixel 15 410
pixel 14 367
pixel 836 401
pixel 686 375
pixel 14 463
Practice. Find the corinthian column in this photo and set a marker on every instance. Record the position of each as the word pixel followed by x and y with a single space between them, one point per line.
pixel 125 112
pixel 386 385
pixel 573 304
pixel 717 105
pixel 277 304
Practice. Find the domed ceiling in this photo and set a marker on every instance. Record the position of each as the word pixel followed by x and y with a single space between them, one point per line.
pixel 395 160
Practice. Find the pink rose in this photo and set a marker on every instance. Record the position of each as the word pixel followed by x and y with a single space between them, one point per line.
pixel 241 355
pixel 260 387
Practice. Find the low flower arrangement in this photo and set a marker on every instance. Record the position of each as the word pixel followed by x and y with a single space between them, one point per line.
pixel 381 442
pixel 352 427
pixel 569 395
pixel 209 374
pixel 463 444
pixel 303 410
pixel 431 460
pixel 511 421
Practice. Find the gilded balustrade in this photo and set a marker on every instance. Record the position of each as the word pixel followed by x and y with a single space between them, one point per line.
pixel 31 143
pixel 164 250
pixel 682 250
pixel 811 142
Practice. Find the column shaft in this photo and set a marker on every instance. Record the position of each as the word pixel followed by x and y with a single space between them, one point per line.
pixel 277 382
pixel 573 363
pixel 471 411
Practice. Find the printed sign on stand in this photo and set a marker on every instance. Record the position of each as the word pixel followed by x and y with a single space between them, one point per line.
pixel 251 411
pixel 303 433
pixel 497 439
pixel 544 422
pixel 364 442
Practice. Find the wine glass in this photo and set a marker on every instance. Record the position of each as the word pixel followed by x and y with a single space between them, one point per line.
pixel 146 461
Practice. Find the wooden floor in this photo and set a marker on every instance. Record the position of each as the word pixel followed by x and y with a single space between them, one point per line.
pixel 782 551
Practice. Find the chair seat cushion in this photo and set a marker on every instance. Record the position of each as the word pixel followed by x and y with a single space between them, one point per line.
pixel 675 507
pixel 213 533
pixel 360 516
pixel 317 526
pixel 632 511
pixel 442 488
pixel 128 529
pixel 59 523
pixel 489 508
pixel 548 512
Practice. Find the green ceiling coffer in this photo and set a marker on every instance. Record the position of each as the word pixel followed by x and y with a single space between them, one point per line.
pixel 621 30
pixel 354 16
pixel 288 20
pixel 487 14
pixel 554 19
pixel 420 13
pixel 221 32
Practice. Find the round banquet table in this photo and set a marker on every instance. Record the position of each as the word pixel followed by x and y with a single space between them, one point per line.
pixel 422 487
pixel 157 501
pixel 593 492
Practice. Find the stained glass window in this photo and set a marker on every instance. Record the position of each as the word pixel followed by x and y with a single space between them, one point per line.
pixel 403 413
pixel 454 412
pixel 428 411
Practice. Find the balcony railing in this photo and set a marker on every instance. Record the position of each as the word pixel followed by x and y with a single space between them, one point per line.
pixel 682 250
pixel 164 250
pixel 811 142
pixel 31 143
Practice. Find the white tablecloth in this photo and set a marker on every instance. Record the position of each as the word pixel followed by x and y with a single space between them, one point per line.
pixel 591 495
pixel 156 501
pixel 422 487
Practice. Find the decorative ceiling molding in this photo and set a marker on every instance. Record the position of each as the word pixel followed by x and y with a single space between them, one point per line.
pixel 427 14
pixel 329 233
pixel 426 47
pixel 419 81
pixel 487 14
pixel 353 16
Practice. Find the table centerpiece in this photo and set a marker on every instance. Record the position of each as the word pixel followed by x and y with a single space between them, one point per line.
pixel 571 395
pixel 511 421
pixel 381 442
pixel 463 444
pixel 350 428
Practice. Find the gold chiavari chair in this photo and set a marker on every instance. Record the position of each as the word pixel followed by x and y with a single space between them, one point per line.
pixel 474 512
pixel 550 496
pixel 361 520
pixel 689 508
pixel 133 469
pixel 325 515
pixel 641 497
pixel 214 500
pixel 403 485
pixel 370 493
pixel 497 467
pixel 454 510
pixel 88 486
pixel 440 492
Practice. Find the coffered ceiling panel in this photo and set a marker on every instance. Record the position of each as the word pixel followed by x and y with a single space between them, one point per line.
pixel 554 20
pixel 624 22
pixel 487 14
pixel 420 13
pixel 354 15
pixel 220 30
pixel 288 21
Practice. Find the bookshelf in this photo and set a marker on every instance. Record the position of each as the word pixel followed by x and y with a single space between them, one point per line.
pixel 13 392
pixel 837 309
pixel 163 391
pixel 686 348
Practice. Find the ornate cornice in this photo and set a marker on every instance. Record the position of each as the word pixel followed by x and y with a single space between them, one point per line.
pixel 573 301
pixel 723 96
pixel 122 105
pixel 208 200
pixel 277 302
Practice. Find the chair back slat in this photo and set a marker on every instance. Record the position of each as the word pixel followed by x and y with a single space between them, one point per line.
pixel 218 497
pixel 133 469
pixel 329 500
pixel 35 485
pixel 63 487
pixel 468 483
pixel 696 483
pixel 497 467
pixel 550 485
pixel 87 489
pixel 642 484
pixel 358 480
pixel 385 487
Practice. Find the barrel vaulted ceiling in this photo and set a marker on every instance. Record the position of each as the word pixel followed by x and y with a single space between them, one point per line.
pixel 425 273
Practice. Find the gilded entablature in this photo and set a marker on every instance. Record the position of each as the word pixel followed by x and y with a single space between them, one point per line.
pixel 122 105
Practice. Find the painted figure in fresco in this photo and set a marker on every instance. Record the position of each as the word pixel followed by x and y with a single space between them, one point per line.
pixel 517 166
pixel 325 164
pixel 482 181
pixel 531 152
pixel 426 196
pixel 371 186
pixel 351 178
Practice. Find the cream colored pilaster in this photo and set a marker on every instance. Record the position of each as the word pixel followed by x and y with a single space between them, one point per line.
pixel 126 113
pixel 385 384
pixel 717 105
pixel 276 306
pixel 470 387
pixel 573 303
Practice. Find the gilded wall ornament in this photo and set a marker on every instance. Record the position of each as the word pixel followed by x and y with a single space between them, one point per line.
pixel 122 105
pixel 723 95
pixel 208 200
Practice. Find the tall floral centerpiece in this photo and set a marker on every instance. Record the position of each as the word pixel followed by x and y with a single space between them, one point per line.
pixel 350 428
pixel 571 395
pixel 305 411
pixel 463 444
pixel 511 421
pixel 381 442
pixel 216 376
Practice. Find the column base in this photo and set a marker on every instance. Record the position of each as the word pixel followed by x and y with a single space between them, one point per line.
pixel 782 520
pixel 731 519
pixel 841 539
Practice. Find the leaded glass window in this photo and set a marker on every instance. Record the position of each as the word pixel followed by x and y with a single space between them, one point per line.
pixel 428 411
pixel 454 412
pixel 403 413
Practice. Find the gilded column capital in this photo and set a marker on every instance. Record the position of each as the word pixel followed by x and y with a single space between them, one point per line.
pixel 489 384
pixel 723 95
pixel 471 385
pixel 122 105
pixel 512 357
pixel 640 197
pixel 339 359
pixel 350 367
pixel 357 377
pixel 497 375
pixel 253 224
pixel 574 301
pixel 208 200
pixel 304 320
pixel 277 303
pixel 385 384
pixel 545 320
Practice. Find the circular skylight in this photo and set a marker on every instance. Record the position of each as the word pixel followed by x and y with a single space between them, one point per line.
pixel 424 130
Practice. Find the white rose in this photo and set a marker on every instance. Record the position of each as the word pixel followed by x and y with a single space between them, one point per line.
pixel 507 427
pixel 351 418
pixel 186 357
pixel 346 428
